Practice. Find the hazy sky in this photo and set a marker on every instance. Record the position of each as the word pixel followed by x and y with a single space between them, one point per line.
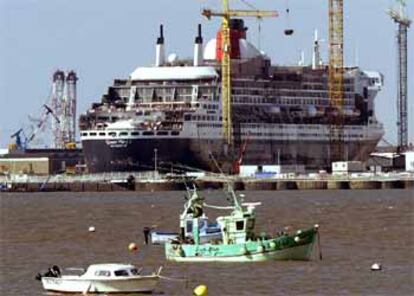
pixel 106 39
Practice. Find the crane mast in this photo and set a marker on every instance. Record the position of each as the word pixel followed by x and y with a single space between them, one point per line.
pixel 399 16
pixel 226 15
pixel 226 76
pixel 336 78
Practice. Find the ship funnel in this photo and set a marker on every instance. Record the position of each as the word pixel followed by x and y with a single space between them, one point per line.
pixel 159 50
pixel 198 48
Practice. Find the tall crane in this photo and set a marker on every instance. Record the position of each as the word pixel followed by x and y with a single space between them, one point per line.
pixel 63 104
pixel 336 79
pixel 226 15
pixel 22 139
pixel 400 17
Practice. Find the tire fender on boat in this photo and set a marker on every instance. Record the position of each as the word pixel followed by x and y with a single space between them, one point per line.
pixel 178 250
pixel 244 250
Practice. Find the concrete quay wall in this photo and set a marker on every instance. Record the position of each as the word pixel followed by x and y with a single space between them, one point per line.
pixel 217 184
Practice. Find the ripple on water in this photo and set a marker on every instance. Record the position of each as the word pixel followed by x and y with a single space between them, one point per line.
pixel 357 229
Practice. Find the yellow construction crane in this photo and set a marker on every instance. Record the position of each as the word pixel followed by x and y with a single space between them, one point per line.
pixel 226 15
pixel 336 77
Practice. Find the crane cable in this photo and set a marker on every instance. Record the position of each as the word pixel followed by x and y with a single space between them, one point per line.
pixel 259 24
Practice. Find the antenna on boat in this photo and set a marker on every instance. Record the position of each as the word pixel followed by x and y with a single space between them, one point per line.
pixel 230 187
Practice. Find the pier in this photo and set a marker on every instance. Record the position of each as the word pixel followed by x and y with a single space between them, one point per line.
pixel 148 182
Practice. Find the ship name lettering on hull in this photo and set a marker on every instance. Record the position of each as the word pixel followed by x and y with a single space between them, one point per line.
pixel 117 143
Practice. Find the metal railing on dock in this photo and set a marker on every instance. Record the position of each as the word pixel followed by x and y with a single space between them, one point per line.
pixel 150 181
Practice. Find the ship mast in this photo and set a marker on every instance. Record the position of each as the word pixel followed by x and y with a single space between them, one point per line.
pixel 226 15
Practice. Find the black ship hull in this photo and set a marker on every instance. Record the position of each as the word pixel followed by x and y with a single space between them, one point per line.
pixel 183 154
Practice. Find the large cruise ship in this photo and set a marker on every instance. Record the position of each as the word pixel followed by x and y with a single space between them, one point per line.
pixel 169 115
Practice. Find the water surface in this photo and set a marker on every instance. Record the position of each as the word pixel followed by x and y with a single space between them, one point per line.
pixel 358 228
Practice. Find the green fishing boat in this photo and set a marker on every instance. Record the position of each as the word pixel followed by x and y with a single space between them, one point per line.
pixel 239 242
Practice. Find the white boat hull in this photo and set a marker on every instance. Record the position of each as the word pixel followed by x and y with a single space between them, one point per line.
pixel 74 284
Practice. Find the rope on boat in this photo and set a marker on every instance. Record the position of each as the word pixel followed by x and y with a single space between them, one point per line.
pixel 87 290
pixel 172 279
pixel 218 207
pixel 319 245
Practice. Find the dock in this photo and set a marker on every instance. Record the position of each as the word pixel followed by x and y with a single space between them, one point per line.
pixel 149 182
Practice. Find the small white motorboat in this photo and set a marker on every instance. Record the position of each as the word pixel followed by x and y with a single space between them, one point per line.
pixel 101 278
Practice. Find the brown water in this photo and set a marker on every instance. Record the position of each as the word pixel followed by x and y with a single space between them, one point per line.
pixel 358 228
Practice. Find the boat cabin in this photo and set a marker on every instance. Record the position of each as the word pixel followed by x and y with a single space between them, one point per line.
pixel 188 224
pixel 239 226
pixel 111 270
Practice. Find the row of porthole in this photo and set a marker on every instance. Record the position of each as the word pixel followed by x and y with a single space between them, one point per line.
pixel 123 134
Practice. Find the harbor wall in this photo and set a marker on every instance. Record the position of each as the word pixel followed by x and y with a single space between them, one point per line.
pixel 150 185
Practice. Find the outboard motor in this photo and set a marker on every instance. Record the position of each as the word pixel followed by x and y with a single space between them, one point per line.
pixel 53 271
pixel 56 271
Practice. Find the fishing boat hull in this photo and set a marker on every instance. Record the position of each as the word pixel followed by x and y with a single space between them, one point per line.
pixel 288 247
pixel 74 284
pixel 159 238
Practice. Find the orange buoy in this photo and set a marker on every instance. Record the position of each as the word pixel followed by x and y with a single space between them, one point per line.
pixel 133 247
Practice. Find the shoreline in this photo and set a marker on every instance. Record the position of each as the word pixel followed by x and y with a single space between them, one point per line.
pixel 240 184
